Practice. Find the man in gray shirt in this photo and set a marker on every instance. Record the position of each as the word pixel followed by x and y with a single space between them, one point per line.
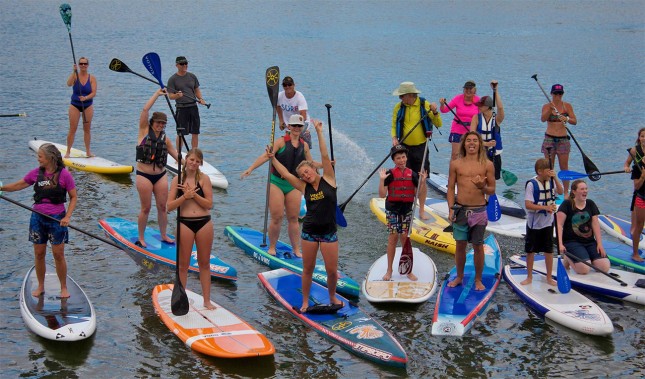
pixel 183 87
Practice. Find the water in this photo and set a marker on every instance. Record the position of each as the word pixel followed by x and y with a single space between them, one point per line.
pixel 351 55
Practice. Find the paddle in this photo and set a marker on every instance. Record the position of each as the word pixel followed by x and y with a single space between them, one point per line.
pixel 272 78
pixel 590 167
pixel 571 256
pixel 573 175
pixel 493 210
pixel 508 177
pixel 23 114
pixel 340 217
pixel 564 284
pixel 66 13
pixel 118 66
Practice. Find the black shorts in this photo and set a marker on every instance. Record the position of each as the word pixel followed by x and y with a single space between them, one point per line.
pixel 539 240
pixel 188 119
pixel 415 154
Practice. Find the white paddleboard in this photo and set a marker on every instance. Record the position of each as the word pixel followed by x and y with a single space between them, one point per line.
pixel 79 160
pixel 218 180
pixel 51 317
pixel 400 288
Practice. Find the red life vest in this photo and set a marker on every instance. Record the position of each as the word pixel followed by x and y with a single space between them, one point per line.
pixel 401 188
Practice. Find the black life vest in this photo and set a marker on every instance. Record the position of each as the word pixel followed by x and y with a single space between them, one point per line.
pixel 153 149
pixel 290 157
pixel 401 188
pixel 49 188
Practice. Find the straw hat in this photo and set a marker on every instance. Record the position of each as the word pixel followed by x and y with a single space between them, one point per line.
pixel 405 88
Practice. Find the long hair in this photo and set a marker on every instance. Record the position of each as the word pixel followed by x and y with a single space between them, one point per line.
pixel 197 152
pixel 306 163
pixel 481 154
pixel 638 135
pixel 52 154
pixel 574 186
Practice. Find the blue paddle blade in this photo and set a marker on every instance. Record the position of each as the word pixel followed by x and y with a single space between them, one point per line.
pixel 570 175
pixel 564 284
pixel 493 209
pixel 153 64
pixel 340 218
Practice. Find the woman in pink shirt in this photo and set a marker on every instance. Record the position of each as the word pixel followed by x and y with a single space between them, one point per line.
pixel 465 108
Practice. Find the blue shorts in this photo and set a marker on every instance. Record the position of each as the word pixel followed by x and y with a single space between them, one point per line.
pixel 398 223
pixel 331 237
pixel 43 229
pixel 583 251
pixel 455 137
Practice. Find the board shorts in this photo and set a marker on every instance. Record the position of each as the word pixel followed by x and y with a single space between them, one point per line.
pixel 328 238
pixel 415 154
pixel 639 203
pixel 282 184
pixel 398 223
pixel 43 229
pixel 539 240
pixel 558 145
pixel 188 118
pixel 455 137
pixel 583 251
pixel 469 224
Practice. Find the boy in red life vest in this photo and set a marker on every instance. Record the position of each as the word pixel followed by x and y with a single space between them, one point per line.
pixel 400 185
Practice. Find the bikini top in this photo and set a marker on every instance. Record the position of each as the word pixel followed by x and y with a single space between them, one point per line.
pixel 554 118
pixel 200 191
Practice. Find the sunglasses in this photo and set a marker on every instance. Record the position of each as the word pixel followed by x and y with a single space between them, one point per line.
pixel 296 126
pixel 183 64
pixel 83 63
pixel 287 84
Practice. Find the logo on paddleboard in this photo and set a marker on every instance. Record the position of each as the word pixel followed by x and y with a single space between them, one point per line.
pixel 273 76
pixel 366 332
pixel 341 325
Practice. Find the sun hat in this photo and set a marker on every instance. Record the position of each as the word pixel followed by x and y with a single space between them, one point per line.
pixel 296 119
pixel 557 88
pixel 397 149
pixel 181 59
pixel 486 101
pixel 470 84
pixel 159 116
pixel 405 88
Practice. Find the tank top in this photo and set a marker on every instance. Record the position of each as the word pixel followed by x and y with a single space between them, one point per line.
pixel 82 90
pixel 321 209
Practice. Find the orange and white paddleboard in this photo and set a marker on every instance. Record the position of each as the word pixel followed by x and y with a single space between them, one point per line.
pixel 218 332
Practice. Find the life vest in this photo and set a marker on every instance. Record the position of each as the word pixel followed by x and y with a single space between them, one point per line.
pixel 542 192
pixel 400 118
pixel 290 156
pixel 638 165
pixel 490 131
pixel 153 150
pixel 49 188
pixel 401 188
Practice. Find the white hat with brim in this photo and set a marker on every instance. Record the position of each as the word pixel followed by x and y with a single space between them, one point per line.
pixel 404 88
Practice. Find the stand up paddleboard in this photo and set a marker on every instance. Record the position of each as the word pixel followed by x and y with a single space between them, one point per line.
pixel 457 308
pixel 79 160
pixel 217 332
pixel 250 241
pixel 349 327
pixel 439 182
pixel 570 309
pixel 400 289
pixel 428 232
pixel 619 228
pixel 594 281
pixel 158 253
pixel 51 317
pixel 218 180
pixel 621 255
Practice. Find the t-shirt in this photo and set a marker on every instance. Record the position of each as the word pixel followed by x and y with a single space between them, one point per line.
pixel 293 106
pixel 65 180
pixel 536 219
pixel 187 84
pixel 577 226
pixel 465 113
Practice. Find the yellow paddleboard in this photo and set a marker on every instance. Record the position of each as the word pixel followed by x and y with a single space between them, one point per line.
pixel 79 160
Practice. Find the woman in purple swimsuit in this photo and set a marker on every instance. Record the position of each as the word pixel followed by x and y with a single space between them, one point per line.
pixel 83 91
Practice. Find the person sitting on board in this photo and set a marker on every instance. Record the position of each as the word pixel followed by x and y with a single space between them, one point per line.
pixel 488 127
pixel 81 106
pixel 579 230
pixel 52 182
pixel 153 147
pixel 540 207
pixel 464 107
pixel 638 199
pixel 398 185
pixel 292 102
pixel 473 176
pixel 319 226
pixel 290 151
pixel 194 198
pixel 416 116
pixel 557 114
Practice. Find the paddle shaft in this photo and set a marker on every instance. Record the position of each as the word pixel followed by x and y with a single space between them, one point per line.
pixel 555 217
pixel 416 195
pixel 78 82
pixel 571 256
pixel 271 77
pixel 14 115
pixel 57 220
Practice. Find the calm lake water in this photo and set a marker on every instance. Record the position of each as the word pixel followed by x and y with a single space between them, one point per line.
pixel 350 54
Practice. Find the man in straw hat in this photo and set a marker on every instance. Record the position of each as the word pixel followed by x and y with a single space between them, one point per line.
pixel 415 114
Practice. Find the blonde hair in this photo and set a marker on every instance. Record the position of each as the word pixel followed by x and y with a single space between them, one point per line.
pixel 197 152
pixel 306 163
pixel 481 154
pixel 574 186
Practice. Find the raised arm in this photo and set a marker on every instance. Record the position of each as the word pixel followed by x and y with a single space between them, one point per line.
pixel 145 112
pixel 328 169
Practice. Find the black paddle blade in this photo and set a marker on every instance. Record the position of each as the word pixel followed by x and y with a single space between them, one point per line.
pixel 407 259
pixel 273 80
pixel 118 66
pixel 323 309
pixel 179 300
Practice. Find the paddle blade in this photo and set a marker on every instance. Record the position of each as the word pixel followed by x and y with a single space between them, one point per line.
pixel 118 66
pixel 179 300
pixel 66 13
pixel 570 175
pixel 407 258
pixel 493 209
pixel 564 284
pixel 508 177
pixel 340 218
pixel 273 80
pixel 153 64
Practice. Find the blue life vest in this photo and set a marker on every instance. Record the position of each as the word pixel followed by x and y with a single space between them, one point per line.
pixel 400 118
pixel 542 193
pixel 491 132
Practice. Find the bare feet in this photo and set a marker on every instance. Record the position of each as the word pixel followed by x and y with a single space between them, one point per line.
pixel 209 305
pixel 167 239
pixel 303 307
pixel 271 251
pixel 637 258
pixel 64 293
pixel 551 282
pixel 66 155
pixel 37 292
pixel 90 155
pixel 479 286
pixel 455 282
pixel 412 277
pixel 141 243
pixel 423 215
pixel 528 280
pixel 388 275
pixel 297 253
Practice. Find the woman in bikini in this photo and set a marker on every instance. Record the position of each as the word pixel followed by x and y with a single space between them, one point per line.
pixel 636 155
pixel 153 147
pixel 290 151
pixel 83 91
pixel 557 114
pixel 194 198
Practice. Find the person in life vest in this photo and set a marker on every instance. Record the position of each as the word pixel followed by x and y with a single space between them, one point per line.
pixel 488 126
pixel 539 201
pixel 52 183
pixel 636 155
pixel 412 121
pixel 398 185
